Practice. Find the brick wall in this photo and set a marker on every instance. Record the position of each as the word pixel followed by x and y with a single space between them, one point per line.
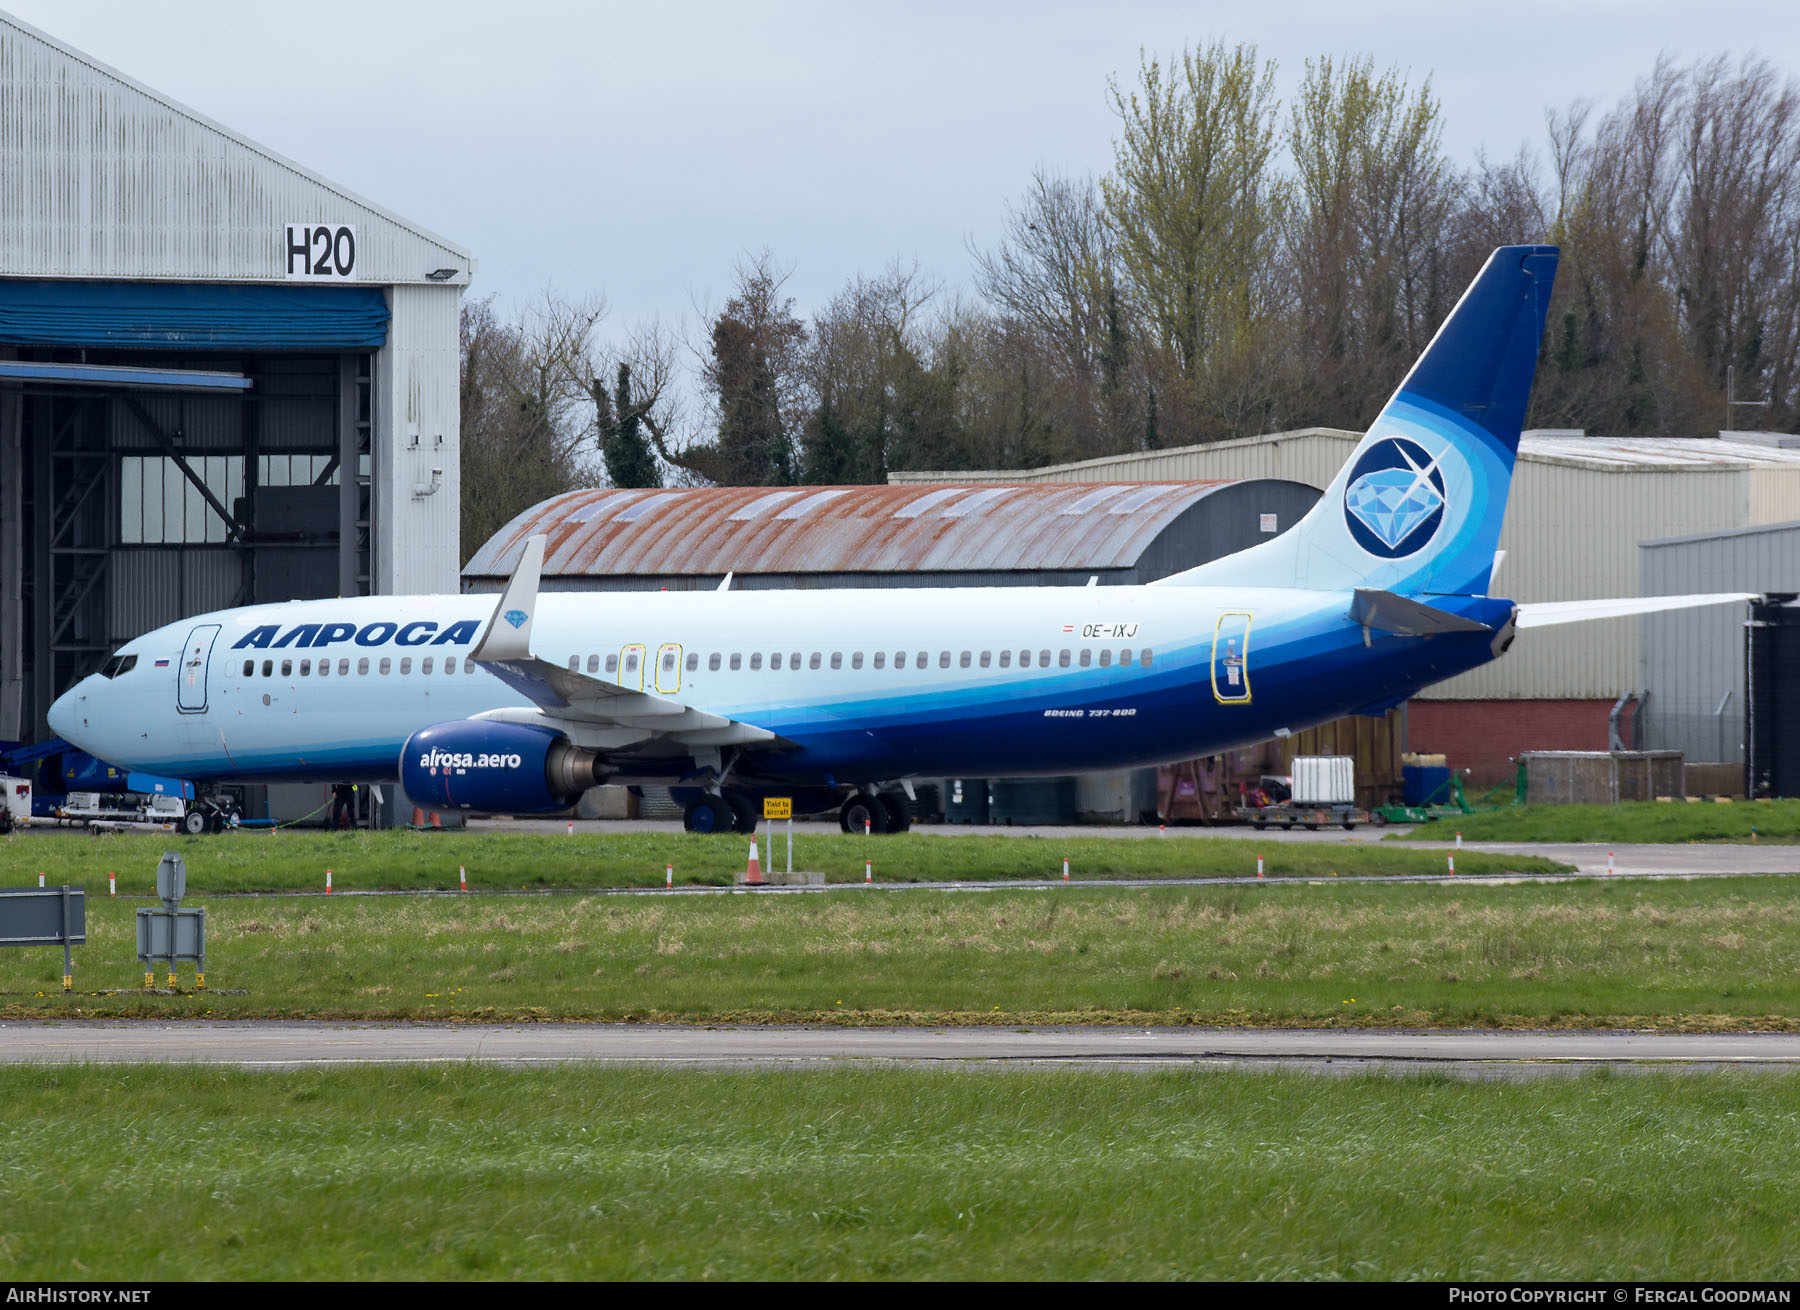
pixel 1485 736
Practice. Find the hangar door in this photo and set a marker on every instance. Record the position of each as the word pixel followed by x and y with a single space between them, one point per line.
pixel 172 449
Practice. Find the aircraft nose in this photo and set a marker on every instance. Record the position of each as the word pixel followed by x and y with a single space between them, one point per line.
pixel 65 714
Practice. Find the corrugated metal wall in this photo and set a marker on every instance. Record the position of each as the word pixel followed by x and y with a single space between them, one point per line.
pixel 417 422
pixel 1693 660
pixel 106 179
pixel 149 587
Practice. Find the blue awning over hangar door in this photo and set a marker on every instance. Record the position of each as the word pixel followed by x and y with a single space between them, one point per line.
pixel 191 316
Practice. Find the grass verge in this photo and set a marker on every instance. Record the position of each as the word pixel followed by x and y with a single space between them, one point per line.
pixel 296 861
pixel 1629 821
pixel 1704 954
pixel 476 1173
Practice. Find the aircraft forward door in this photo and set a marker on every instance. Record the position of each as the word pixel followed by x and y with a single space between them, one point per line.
pixel 196 655
pixel 668 669
pixel 631 668
pixel 1231 660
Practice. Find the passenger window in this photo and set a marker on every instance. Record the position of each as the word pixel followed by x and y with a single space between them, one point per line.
pixel 737 661
pixel 815 661
pixel 1024 659
pixel 449 664
pixel 249 668
pixel 713 661
pixel 755 660
pixel 386 666
pixel 268 668
pixel 612 663
pixel 362 667
pixel 425 665
pixel 693 663
pixel 924 658
pixel 305 668
pixel 405 665
pixel 986 658
pixel 775 660
pixel 880 659
pixel 1044 659
pixel 855 660
pixel 794 662
pixel 287 668
pixel 1105 659
pixel 899 660
pixel 1005 658
pixel 967 659
pixel 1124 658
pixel 1062 660
pixel 944 659
pixel 324 668
pixel 1087 658
pixel 1144 659
pixel 574 664
pixel 593 664
pixel 837 659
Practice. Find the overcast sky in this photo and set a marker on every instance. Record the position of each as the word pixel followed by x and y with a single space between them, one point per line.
pixel 640 150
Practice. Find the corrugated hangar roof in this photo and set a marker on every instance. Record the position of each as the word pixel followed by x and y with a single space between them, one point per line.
pixel 715 530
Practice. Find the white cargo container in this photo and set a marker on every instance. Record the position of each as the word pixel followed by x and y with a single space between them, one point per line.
pixel 1324 780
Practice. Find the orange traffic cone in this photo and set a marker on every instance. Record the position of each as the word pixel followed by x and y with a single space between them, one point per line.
pixel 753 874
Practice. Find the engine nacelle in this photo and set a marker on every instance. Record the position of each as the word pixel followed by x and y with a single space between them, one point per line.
pixel 502 768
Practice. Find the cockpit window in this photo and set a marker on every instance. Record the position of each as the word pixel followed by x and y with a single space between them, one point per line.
pixel 119 664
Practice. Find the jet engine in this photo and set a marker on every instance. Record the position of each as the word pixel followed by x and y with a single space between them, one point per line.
pixel 502 768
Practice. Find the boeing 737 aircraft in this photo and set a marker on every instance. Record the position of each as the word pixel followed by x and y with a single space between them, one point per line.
pixel 1381 590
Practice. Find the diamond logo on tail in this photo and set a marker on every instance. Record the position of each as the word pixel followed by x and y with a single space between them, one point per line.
pixel 516 617
pixel 1396 499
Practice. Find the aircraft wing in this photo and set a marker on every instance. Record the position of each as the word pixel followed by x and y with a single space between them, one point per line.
pixel 594 713
pixel 1546 613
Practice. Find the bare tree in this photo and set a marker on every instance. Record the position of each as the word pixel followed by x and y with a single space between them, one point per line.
pixel 528 421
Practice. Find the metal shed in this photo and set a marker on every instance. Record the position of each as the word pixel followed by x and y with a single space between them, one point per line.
pixel 996 535
pixel 223 378
pixel 1696 696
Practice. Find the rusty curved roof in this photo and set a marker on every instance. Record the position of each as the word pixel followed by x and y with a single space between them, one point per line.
pixel 863 529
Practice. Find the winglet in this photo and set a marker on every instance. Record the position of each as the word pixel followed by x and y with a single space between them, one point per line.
pixel 508 635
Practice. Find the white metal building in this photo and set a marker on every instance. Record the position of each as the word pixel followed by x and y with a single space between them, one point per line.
pixel 223 377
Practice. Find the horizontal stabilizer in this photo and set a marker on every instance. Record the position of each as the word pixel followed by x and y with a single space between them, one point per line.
pixel 1387 612
pixel 1548 613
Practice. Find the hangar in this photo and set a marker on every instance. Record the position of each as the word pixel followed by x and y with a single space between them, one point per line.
pixel 990 536
pixel 1579 507
pixel 223 378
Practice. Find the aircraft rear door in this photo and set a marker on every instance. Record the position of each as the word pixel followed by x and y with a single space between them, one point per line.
pixel 196 655
pixel 1231 660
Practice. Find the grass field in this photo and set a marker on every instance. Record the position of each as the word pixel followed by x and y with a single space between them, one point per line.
pixel 1712 953
pixel 293 861
pixel 476 1173
pixel 1632 821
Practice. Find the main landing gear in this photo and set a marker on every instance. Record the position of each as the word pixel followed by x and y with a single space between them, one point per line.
pixel 882 812
pixel 730 811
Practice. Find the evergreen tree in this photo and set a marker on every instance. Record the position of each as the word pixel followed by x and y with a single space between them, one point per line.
pixel 623 444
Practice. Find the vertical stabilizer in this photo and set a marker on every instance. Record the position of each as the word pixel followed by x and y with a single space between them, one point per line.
pixel 1418 507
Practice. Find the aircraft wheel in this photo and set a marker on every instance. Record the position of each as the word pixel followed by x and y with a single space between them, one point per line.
pixel 899 810
pixel 743 812
pixel 709 814
pixel 860 810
